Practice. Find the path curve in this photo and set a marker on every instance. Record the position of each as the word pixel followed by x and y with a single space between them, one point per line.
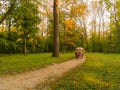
pixel 28 80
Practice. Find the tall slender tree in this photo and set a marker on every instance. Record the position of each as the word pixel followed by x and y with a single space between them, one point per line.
pixel 56 29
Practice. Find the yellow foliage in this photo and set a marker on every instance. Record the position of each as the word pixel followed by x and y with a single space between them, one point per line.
pixel 93 79
pixel 19 39
pixel 79 10
pixel 70 24
pixel 57 2
pixel 31 40
pixel 119 22
pixel 113 25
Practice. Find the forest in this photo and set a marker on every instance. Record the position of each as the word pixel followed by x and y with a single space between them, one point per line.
pixel 35 26
pixel 30 30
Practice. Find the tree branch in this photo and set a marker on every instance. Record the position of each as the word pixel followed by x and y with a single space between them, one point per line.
pixel 8 12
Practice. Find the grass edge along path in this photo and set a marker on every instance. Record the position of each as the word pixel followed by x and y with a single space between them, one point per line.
pixel 20 63
pixel 28 80
pixel 98 72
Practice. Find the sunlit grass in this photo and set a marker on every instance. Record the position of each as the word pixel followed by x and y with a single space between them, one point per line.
pixel 19 63
pixel 99 72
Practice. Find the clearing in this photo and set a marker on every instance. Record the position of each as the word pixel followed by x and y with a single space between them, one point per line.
pixel 99 72
pixel 28 80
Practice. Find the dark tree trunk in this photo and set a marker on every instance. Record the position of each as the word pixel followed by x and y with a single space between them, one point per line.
pixel 64 44
pixel 56 29
pixel 9 28
pixel 47 44
pixel 33 51
pixel 24 46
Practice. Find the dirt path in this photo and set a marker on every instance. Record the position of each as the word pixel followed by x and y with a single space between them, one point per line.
pixel 28 80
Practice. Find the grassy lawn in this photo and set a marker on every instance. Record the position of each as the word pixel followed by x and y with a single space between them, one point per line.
pixel 99 72
pixel 19 63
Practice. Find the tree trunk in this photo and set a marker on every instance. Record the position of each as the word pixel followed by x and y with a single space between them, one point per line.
pixel 85 35
pixel 103 25
pixel 56 29
pixel 64 40
pixel 33 51
pixel 99 28
pixel 47 40
pixel 116 23
pixel 9 37
pixel 24 46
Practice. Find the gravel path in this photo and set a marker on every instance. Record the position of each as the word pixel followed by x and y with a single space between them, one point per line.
pixel 28 80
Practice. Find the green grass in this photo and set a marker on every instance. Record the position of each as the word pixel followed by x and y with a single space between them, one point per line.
pixel 20 63
pixel 98 72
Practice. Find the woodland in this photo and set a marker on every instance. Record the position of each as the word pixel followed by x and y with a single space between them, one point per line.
pixel 35 26
pixel 30 30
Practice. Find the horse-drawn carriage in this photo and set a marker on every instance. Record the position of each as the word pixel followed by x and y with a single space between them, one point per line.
pixel 79 52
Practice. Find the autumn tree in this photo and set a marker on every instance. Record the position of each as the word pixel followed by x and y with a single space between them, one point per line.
pixel 80 12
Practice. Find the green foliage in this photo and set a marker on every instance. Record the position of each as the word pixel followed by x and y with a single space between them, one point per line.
pixel 5 43
pixel 27 21
pixel 26 18
pixel 99 72
pixel 19 63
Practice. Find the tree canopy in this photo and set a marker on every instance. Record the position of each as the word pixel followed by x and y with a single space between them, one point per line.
pixel 30 26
